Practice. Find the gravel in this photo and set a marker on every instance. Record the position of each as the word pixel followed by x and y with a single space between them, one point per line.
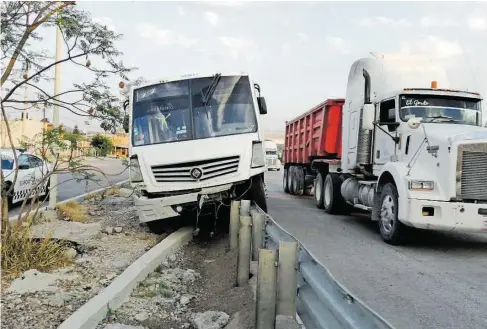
pixel 195 288
pixel 45 300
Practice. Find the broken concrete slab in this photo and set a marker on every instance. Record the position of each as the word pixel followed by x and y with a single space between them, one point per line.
pixel 72 231
pixel 33 281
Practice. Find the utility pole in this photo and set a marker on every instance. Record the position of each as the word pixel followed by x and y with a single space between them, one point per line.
pixel 55 118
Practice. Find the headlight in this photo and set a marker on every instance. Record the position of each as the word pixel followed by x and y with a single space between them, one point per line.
pixel 135 173
pixel 421 185
pixel 258 155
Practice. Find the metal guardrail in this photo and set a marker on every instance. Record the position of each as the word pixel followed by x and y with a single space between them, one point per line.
pixel 321 301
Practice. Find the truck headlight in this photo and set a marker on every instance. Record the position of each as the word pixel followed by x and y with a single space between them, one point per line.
pixel 258 156
pixel 135 173
pixel 421 185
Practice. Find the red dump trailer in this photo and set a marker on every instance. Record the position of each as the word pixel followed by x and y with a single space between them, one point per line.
pixel 312 140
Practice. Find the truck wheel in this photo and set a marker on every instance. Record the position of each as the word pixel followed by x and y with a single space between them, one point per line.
pixel 258 192
pixel 332 198
pixel 285 185
pixel 292 176
pixel 299 181
pixel 391 229
pixel 319 191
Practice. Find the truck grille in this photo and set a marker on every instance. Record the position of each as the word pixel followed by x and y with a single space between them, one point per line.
pixel 271 162
pixel 188 171
pixel 474 175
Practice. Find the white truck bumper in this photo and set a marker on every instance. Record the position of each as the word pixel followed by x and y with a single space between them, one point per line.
pixel 150 209
pixel 447 216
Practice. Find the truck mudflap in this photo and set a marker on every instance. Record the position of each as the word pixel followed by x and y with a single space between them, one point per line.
pixel 447 216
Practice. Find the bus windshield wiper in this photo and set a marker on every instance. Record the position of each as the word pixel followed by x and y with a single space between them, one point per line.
pixel 211 89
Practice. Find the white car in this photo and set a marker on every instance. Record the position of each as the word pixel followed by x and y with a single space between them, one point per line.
pixel 32 170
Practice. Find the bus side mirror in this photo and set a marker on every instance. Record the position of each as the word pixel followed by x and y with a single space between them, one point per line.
pixel 368 114
pixel 262 105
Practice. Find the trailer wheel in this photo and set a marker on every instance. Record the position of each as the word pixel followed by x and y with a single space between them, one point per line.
pixel 332 198
pixel 391 229
pixel 299 181
pixel 319 191
pixel 293 187
pixel 285 185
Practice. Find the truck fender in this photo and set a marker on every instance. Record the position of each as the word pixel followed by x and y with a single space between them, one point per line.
pixel 393 173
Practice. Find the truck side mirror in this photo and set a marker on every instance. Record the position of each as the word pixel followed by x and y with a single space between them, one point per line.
pixel 368 114
pixel 262 105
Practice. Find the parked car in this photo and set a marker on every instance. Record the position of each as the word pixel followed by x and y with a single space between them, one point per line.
pixel 31 171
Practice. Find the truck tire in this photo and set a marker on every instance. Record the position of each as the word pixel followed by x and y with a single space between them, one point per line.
pixel 391 229
pixel 293 188
pixel 299 181
pixel 290 179
pixel 258 192
pixel 319 191
pixel 332 197
pixel 285 185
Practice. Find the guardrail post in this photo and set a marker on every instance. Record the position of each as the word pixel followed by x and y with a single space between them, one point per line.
pixel 265 309
pixel 287 278
pixel 245 208
pixel 234 223
pixel 258 223
pixel 244 244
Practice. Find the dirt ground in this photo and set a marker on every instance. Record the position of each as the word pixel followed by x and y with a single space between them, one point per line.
pixel 213 289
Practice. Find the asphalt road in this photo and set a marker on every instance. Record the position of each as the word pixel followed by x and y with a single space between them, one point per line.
pixel 68 187
pixel 438 280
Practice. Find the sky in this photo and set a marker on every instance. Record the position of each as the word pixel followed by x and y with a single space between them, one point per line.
pixel 299 52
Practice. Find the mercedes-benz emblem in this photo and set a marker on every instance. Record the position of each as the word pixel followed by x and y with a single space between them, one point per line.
pixel 196 173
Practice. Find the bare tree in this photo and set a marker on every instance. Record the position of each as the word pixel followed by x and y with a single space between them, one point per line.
pixel 84 40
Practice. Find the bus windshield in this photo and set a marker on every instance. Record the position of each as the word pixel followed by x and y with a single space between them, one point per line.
pixel 440 109
pixel 177 111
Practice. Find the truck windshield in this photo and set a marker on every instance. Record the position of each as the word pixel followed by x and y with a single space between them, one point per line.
pixel 440 109
pixel 269 152
pixel 175 111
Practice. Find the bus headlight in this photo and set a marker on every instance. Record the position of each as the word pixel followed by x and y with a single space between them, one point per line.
pixel 135 173
pixel 258 157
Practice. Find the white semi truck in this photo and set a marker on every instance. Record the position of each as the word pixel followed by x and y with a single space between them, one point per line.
pixel 271 158
pixel 413 152
pixel 195 145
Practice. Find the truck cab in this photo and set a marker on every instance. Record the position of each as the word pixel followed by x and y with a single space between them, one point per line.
pixel 195 145
pixel 413 154
pixel 271 158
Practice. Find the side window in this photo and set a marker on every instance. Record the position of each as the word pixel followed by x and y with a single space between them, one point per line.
pixel 35 161
pixel 23 160
pixel 387 113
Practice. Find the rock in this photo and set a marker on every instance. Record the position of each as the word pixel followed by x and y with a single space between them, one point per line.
pixel 125 192
pixel 172 258
pixel 186 325
pixel 111 276
pixel 209 261
pixel 82 260
pixel 69 307
pixel 70 253
pixel 189 276
pixel 49 215
pixel 56 300
pixel 209 320
pixel 34 281
pixel 142 316
pixel 185 299
pixel 17 301
pixel 118 229
pixel 109 230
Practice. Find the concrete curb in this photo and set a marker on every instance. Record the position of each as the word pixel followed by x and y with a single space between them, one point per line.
pixel 13 220
pixel 90 314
